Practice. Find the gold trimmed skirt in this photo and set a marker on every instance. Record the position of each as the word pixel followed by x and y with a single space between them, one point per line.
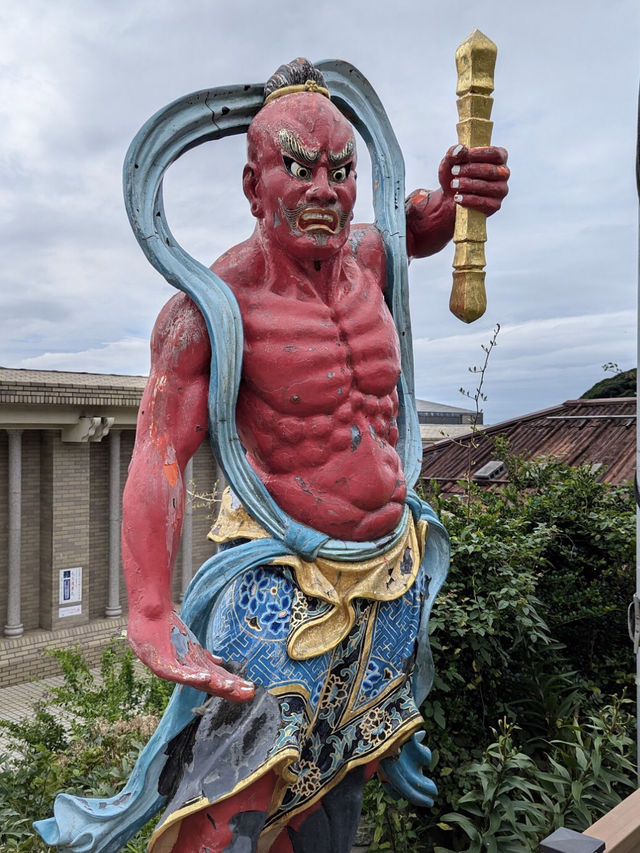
pixel 315 717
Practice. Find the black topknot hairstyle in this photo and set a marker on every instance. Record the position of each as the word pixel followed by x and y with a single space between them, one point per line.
pixel 294 73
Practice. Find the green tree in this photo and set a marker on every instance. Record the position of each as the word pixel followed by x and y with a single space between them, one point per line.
pixel 528 719
pixel 622 384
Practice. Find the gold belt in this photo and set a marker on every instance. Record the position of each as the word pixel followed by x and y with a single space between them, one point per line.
pixel 382 578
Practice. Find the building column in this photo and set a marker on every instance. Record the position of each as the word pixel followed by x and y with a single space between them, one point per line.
pixel 14 627
pixel 113 608
pixel 187 530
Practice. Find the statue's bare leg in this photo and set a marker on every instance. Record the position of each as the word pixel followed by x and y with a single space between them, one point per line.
pixel 233 825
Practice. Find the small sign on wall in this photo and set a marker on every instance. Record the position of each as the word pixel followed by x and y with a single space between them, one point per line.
pixel 74 610
pixel 71 586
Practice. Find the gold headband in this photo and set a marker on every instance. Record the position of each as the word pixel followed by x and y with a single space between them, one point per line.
pixel 309 86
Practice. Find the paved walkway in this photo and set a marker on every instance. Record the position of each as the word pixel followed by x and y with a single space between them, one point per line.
pixel 17 702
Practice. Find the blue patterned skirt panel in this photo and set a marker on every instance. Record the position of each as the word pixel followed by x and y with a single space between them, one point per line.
pixel 339 709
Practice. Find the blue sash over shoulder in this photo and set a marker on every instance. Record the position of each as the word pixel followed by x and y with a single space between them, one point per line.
pixel 82 825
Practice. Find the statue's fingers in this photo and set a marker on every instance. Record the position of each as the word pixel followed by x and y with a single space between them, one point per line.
pixel 237 684
pixel 491 189
pixel 428 787
pixel 457 154
pixel 419 754
pixel 488 154
pixel 481 203
pixel 223 683
pixel 415 779
pixel 421 798
pixel 483 171
pixel 202 670
pixel 242 691
pixel 412 773
pixel 197 656
pixel 212 658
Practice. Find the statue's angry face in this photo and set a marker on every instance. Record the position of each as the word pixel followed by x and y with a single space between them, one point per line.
pixel 322 176
pixel 301 178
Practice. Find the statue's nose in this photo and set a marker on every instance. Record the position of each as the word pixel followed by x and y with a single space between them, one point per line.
pixel 321 190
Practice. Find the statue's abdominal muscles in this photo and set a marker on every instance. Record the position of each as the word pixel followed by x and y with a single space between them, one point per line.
pixel 317 409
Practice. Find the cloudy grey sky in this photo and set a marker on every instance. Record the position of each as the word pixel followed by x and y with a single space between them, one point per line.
pixel 79 77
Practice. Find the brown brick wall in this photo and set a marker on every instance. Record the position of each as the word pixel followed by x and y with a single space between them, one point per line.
pixel 65 525
pixel 204 478
pixel 99 514
pixel 47 439
pixel 127 440
pixel 24 658
pixel 65 518
pixel 30 557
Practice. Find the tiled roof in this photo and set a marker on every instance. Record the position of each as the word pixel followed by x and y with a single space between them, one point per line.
pixel 578 432
pixel 58 387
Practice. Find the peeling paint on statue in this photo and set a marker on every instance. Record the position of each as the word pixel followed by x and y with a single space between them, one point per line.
pixel 312 635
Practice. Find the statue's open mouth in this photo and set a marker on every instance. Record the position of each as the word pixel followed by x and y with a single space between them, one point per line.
pixel 318 219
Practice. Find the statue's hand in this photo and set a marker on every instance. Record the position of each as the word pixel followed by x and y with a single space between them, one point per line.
pixel 406 776
pixel 475 177
pixel 171 651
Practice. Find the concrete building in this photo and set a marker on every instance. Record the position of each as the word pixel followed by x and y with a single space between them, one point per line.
pixel 439 421
pixel 65 444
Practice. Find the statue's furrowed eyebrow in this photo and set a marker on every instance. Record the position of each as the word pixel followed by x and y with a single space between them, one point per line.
pixel 292 145
pixel 341 156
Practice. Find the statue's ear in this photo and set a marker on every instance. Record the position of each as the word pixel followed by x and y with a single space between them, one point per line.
pixel 249 185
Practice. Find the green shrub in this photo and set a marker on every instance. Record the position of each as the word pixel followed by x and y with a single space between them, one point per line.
pixel 527 719
pixel 84 737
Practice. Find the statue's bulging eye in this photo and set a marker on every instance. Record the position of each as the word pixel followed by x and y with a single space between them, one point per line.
pixel 297 169
pixel 341 173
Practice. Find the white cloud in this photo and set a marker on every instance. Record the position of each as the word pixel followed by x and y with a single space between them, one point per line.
pixel 535 364
pixel 127 356
pixel 79 77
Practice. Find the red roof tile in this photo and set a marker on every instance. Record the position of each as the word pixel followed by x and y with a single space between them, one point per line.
pixel 579 432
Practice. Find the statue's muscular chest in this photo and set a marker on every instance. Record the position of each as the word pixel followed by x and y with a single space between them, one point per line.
pixel 305 355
